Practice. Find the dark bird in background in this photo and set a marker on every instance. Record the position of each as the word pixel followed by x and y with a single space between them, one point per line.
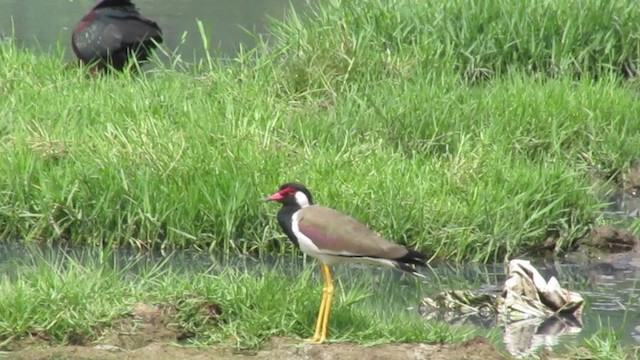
pixel 111 32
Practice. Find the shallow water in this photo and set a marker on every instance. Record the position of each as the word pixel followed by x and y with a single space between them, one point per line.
pixel 610 293
pixel 43 23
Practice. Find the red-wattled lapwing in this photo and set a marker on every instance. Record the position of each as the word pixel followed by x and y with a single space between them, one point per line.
pixel 331 236
pixel 111 32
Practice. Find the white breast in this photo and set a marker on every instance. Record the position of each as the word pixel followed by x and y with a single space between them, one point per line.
pixel 308 247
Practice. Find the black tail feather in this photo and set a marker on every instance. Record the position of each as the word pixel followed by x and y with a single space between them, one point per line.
pixel 411 269
pixel 407 262
pixel 410 260
pixel 413 257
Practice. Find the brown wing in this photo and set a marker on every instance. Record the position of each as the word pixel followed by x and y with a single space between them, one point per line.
pixel 340 234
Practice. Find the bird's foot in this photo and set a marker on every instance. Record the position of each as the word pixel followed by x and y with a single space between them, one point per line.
pixel 316 340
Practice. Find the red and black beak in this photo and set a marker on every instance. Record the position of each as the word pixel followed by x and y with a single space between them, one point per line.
pixel 275 197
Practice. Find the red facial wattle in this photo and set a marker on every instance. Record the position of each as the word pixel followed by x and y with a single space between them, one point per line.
pixel 281 194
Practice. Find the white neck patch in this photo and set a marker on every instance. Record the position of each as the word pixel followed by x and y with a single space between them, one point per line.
pixel 301 199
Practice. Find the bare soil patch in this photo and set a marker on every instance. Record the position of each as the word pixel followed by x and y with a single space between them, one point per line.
pixel 151 333
pixel 277 349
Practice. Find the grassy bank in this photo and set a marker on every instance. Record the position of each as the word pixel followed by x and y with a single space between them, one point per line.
pixel 72 299
pixel 97 297
pixel 378 119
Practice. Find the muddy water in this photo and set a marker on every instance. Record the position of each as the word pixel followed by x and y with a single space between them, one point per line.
pixel 44 23
pixel 611 293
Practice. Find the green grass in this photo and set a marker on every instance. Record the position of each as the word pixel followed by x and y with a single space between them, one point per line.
pixel 368 105
pixel 604 344
pixel 81 298
pixel 470 130
pixel 78 299
pixel 477 41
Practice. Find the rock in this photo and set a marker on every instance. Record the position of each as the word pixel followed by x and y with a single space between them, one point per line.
pixel 618 248
pixel 111 348
pixel 610 239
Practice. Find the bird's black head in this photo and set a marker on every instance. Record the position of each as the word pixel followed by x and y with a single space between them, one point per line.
pixel 292 194
pixel 112 3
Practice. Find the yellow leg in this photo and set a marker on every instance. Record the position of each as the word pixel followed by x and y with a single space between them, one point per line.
pixel 320 334
pixel 316 334
pixel 328 294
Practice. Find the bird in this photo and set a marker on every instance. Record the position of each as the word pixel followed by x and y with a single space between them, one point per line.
pixel 4 38
pixel 331 237
pixel 111 32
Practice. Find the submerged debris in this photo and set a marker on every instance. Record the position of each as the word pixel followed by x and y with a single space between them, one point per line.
pixel 456 305
pixel 534 312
